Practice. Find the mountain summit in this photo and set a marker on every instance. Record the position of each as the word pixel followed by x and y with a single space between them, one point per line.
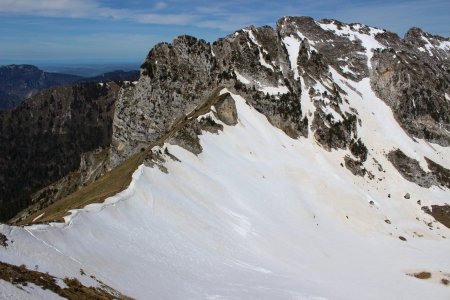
pixel 307 161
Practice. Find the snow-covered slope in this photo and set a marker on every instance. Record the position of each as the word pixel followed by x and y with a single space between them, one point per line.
pixel 256 215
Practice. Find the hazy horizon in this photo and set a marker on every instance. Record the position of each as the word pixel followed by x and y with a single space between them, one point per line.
pixel 84 69
pixel 90 31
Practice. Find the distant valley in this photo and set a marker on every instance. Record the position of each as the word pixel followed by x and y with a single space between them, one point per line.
pixel 19 82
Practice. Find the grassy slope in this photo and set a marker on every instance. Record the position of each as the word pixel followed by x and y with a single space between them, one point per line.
pixel 108 185
pixel 117 179
pixel 21 276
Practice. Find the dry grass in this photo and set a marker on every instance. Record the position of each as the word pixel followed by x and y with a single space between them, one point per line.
pixel 441 214
pixel 20 276
pixel 422 275
pixel 119 178
pixel 108 185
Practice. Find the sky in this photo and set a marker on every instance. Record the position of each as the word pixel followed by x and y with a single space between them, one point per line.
pixel 104 31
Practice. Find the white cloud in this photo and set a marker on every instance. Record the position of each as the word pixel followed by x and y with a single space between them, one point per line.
pixel 92 9
pixel 104 46
pixel 89 9
pixel 231 15
pixel 165 19
pixel 51 8
pixel 160 5
pixel 400 16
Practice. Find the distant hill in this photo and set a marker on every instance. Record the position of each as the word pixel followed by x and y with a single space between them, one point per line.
pixel 87 70
pixel 18 82
pixel 118 75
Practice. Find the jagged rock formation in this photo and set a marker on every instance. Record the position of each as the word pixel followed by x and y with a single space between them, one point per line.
pixel 188 67
pixel 415 83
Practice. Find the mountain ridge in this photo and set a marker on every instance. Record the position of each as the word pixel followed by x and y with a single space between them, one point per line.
pixel 132 133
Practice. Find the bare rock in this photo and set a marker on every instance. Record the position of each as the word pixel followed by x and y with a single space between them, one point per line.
pixel 187 137
pixel 410 169
pixel 3 240
pixel 440 213
pixel 208 124
pixel 441 174
pixel 354 166
pixel 226 111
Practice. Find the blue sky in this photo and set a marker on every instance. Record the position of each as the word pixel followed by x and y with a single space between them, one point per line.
pixel 84 31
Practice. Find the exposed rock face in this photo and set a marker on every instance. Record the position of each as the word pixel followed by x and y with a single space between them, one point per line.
pixel 431 45
pixel 187 137
pixel 354 166
pixel 328 48
pixel 411 170
pixel 442 174
pixel 441 214
pixel 413 77
pixel 3 240
pixel 292 74
pixel 410 75
pixel 226 111
pixel 259 64
pixel 44 139
pixel 175 79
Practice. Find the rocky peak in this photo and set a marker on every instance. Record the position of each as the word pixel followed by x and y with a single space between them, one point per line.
pixel 267 64
pixel 414 33
pixel 337 42
pixel 412 77
pixel 426 43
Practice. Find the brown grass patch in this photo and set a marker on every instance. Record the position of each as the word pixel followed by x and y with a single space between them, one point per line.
pixel 108 185
pixel 422 275
pixel 442 214
pixel 20 276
